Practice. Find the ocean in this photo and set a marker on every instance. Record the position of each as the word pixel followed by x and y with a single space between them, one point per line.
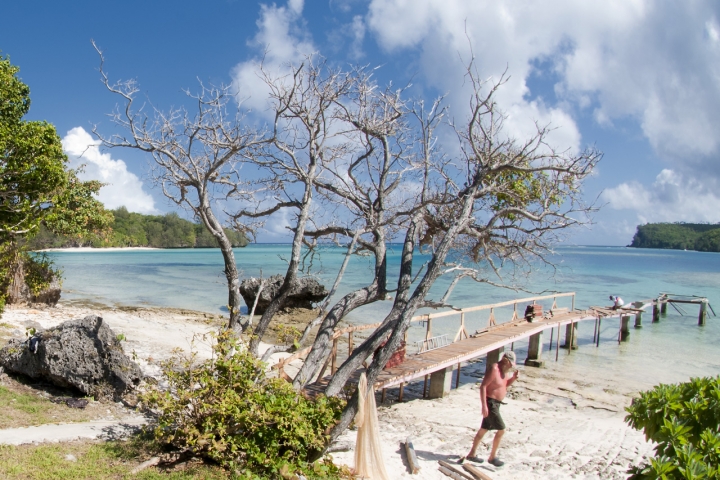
pixel 672 350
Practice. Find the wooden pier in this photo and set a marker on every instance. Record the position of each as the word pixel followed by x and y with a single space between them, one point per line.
pixel 436 360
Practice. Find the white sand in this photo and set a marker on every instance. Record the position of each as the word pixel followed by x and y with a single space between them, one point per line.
pixel 558 426
pixel 561 423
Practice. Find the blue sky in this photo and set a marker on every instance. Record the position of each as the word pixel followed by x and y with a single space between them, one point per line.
pixel 640 80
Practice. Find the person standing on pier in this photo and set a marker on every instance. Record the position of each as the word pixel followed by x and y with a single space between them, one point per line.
pixel 492 392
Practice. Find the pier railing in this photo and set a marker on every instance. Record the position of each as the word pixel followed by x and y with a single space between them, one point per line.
pixel 428 319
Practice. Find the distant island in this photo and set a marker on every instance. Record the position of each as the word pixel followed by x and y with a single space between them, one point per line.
pixel 703 237
pixel 130 229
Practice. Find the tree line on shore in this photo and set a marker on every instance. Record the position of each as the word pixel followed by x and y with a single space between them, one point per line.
pixel 703 237
pixel 131 229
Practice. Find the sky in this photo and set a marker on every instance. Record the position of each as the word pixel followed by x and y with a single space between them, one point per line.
pixel 638 80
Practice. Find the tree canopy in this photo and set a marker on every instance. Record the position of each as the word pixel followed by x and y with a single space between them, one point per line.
pixel 36 186
pixel 131 229
pixel 704 237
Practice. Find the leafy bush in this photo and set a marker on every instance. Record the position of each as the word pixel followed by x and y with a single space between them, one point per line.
pixel 683 420
pixel 226 409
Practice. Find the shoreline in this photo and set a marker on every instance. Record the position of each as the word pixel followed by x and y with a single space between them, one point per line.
pixel 99 249
pixel 563 421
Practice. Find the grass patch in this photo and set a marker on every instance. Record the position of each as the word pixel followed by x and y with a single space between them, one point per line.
pixel 24 406
pixel 95 460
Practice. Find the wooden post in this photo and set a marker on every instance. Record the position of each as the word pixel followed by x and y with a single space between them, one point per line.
pixel 702 317
pixel 572 306
pixel 534 357
pixel 599 320
pixel 595 331
pixel 552 330
pixel 638 320
pixel 402 389
pixel 428 331
pixel 663 307
pixel 425 386
pixel 457 379
pixel 333 365
pixel 557 344
pixel 351 335
pixel 570 336
pixel 656 310
pixel 624 328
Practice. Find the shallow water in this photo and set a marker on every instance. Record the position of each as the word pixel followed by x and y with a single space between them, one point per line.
pixel 670 351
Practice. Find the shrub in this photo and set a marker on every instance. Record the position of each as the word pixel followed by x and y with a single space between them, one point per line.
pixel 683 420
pixel 226 409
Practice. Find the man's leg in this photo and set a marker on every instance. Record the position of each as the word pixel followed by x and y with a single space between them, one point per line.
pixel 476 442
pixel 496 443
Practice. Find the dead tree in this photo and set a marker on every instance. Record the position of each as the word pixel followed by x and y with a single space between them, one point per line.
pixel 308 135
pixel 499 199
pixel 196 157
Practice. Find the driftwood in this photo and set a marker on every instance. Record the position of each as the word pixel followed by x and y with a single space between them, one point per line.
pixel 150 463
pixel 475 472
pixel 452 471
pixel 412 458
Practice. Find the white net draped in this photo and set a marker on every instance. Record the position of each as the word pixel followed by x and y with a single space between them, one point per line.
pixel 368 452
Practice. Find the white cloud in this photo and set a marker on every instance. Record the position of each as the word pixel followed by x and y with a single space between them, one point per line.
pixel 504 36
pixel 282 39
pixel 123 187
pixel 655 62
pixel 671 197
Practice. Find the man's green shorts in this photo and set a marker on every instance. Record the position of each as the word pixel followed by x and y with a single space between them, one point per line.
pixel 493 421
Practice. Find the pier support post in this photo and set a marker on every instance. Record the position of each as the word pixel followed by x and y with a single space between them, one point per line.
pixel 624 328
pixel 703 313
pixel 656 311
pixel 440 383
pixel 534 357
pixel 638 320
pixel 663 307
pixel 571 336
pixel 493 357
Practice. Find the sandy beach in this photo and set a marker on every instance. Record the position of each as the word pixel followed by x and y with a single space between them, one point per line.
pixel 562 423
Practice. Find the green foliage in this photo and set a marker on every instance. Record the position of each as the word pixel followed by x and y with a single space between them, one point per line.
pixel 39 272
pixel 683 420
pixel 130 229
pixel 226 409
pixel 32 163
pixel 703 237
pixel 36 188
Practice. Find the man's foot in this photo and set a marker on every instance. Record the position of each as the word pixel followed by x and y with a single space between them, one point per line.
pixel 471 458
pixel 496 462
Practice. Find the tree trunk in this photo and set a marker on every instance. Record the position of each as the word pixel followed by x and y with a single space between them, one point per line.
pixel 231 272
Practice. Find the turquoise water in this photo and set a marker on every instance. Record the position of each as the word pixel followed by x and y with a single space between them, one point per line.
pixel 672 350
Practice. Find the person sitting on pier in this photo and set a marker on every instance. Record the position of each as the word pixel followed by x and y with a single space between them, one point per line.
pixel 492 392
pixel 617 302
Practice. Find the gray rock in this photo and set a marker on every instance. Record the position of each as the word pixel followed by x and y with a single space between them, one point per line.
pixel 306 293
pixel 83 354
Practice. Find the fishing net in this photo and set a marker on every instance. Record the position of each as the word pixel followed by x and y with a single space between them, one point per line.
pixel 368 453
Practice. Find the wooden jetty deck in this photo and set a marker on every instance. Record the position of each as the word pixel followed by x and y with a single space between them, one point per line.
pixel 437 364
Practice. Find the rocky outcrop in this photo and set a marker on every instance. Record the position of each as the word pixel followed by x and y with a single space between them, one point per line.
pixel 83 354
pixel 306 293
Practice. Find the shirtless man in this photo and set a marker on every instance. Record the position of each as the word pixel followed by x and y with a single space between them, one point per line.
pixel 492 392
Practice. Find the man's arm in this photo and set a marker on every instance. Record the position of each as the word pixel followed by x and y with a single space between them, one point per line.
pixel 512 379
